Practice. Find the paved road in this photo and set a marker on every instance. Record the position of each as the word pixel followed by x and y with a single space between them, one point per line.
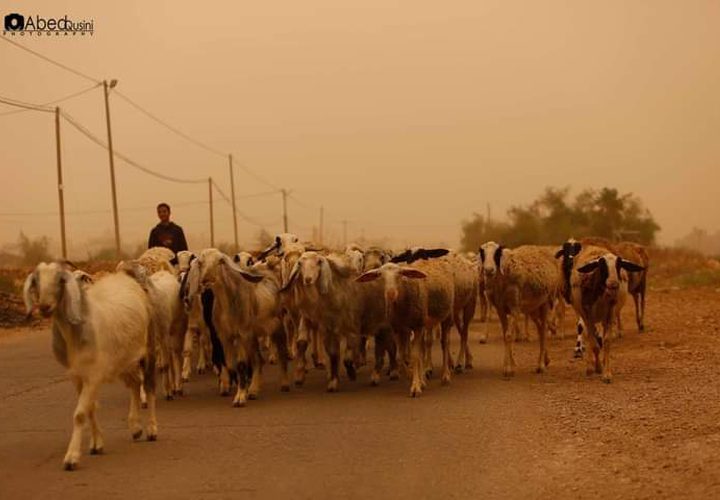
pixel 481 436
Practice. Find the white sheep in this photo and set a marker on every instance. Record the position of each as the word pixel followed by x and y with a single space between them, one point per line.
pixel 100 333
pixel 198 333
pixel 523 280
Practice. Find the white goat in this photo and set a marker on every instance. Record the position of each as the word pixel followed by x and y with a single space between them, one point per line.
pixel 99 334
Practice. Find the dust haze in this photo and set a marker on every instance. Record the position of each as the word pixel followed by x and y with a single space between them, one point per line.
pixel 401 118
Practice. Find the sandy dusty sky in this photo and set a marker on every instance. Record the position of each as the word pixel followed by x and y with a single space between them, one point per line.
pixel 401 117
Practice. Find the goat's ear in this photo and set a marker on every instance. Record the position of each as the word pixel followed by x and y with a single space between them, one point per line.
pixel 293 274
pixel 339 267
pixel 29 292
pixel 481 251
pixel 72 298
pixel 236 258
pixel 371 275
pixel 402 257
pixel 434 253
pixel 589 267
pixel 577 246
pixel 412 273
pixel 252 277
pixel 174 261
pixel 630 266
pixel 325 277
pixel 559 253
pixel 498 256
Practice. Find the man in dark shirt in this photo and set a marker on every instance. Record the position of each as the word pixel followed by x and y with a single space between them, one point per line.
pixel 167 234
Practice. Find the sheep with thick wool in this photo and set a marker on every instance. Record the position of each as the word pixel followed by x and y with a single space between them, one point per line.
pixel 99 333
pixel 522 280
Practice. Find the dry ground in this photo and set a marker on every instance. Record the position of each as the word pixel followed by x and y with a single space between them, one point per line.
pixel 653 433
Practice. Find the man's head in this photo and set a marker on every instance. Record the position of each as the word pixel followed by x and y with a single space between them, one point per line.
pixel 163 211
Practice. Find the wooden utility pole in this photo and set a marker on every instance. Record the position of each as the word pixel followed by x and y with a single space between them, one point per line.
pixel 232 194
pixel 212 220
pixel 344 223
pixel 322 221
pixel 61 188
pixel 285 220
pixel 112 166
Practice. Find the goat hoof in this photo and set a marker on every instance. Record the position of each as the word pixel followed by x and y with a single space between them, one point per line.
pixel 137 435
pixel 299 383
pixel 238 404
pixel 540 370
pixel 415 393
pixel 252 396
pixel 200 371
pixel 185 380
pixel 285 388
pixel 143 405
pixel 577 354
pixel 607 379
pixel 70 466
pixel 168 397
pixel 96 450
pixel 332 386
pixel 468 366
pixel 395 376
pixel 445 380
pixel 459 369
pixel 152 437
pixel 179 392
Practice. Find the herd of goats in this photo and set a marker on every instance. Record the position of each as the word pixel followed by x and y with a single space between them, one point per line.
pixel 163 312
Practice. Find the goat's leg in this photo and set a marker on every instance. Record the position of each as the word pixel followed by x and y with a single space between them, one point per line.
pixel 281 344
pixel 96 439
pixel 445 345
pixel 541 324
pixel 317 341
pixel 134 383
pixel 607 334
pixel 187 354
pixel 350 354
pixel 508 338
pixel 332 348
pixel 593 349
pixel 417 346
pixel 256 363
pixel 427 335
pixel 204 351
pixel 86 400
pixel 148 382
pixel 243 371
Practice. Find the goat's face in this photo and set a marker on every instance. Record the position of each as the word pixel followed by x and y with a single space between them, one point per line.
pixel 311 267
pixel 356 259
pixel 47 286
pixel 184 258
pixel 244 260
pixel 391 273
pixel 208 265
pixel 374 258
pixel 610 268
pixel 570 249
pixel 490 258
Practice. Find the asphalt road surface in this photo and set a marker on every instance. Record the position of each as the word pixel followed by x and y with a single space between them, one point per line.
pixel 481 437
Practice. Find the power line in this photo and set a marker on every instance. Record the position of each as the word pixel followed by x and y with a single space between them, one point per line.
pixel 167 125
pixel 124 158
pixel 51 61
pixel 56 101
pixel 25 105
pixel 229 200
pixel 99 211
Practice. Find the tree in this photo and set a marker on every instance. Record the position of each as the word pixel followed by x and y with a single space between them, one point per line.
pixel 550 220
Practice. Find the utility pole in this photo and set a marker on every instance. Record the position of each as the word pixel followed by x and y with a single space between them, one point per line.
pixel 232 194
pixel 344 223
pixel 212 221
pixel 112 165
pixel 61 196
pixel 285 193
pixel 322 221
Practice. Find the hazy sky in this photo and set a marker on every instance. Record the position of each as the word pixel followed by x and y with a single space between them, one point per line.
pixel 401 117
